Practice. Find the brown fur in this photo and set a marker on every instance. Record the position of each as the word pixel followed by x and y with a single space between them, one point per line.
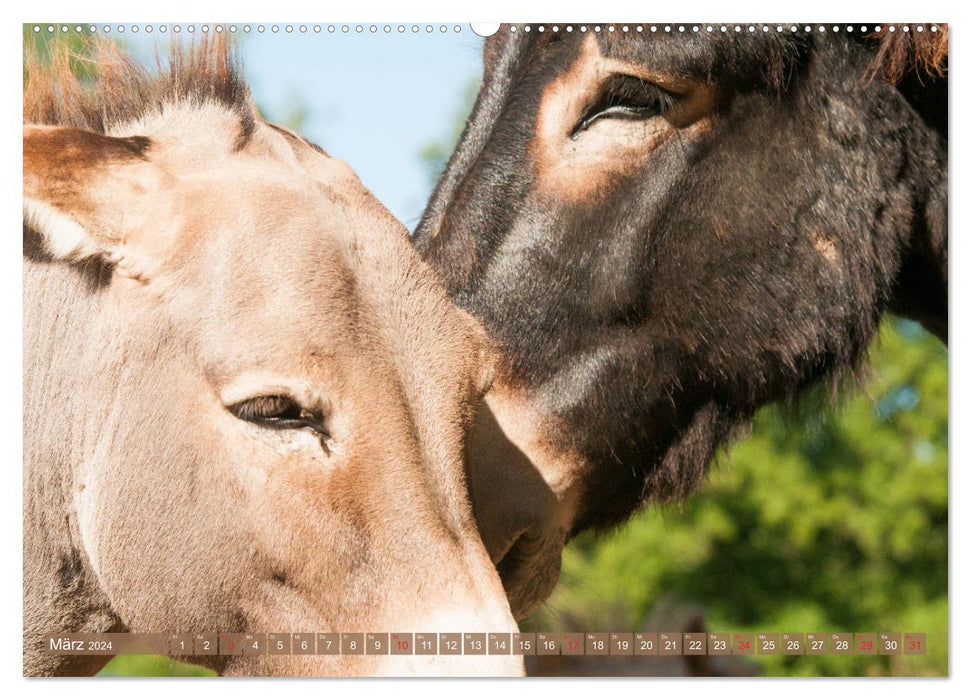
pixel 899 52
pixel 118 90
pixel 173 269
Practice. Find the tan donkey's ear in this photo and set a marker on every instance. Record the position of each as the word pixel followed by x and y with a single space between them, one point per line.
pixel 90 195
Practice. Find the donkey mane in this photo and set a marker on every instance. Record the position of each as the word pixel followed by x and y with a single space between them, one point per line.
pixel 101 87
pixel 898 53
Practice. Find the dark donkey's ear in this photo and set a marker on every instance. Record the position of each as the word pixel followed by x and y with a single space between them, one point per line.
pixel 90 195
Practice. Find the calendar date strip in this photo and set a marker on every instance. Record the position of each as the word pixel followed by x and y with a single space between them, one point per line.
pixel 491 644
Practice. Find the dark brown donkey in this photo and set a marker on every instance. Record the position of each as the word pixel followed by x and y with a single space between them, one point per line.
pixel 665 232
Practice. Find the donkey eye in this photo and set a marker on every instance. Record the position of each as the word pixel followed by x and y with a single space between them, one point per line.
pixel 279 412
pixel 626 97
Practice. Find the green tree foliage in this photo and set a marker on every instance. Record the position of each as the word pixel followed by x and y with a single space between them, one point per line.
pixel 146 665
pixel 825 519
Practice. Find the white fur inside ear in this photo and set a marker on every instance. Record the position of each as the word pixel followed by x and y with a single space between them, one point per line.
pixel 65 239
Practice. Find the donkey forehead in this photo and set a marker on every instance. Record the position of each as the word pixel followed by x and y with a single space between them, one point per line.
pixel 702 56
pixel 306 268
pixel 286 243
pixel 281 227
pixel 282 254
pixel 266 205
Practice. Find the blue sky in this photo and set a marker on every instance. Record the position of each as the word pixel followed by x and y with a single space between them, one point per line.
pixel 373 100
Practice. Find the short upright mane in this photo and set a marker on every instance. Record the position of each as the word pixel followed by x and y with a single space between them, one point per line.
pixel 101 87
pixel 899 52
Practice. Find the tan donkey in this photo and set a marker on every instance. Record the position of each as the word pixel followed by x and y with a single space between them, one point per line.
pixel 245 397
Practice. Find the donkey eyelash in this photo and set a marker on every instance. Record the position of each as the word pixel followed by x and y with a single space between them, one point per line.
pixel 279 412
pixel 626 97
